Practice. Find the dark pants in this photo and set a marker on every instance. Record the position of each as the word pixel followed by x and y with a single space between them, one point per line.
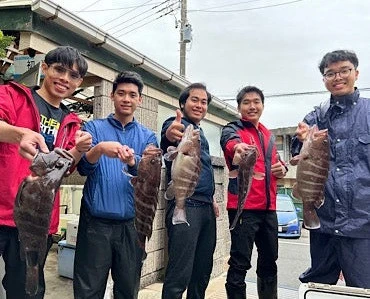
pixel 190 252
pixel 104 245
pixel 14 281
pixel 332 254
pixel 261 228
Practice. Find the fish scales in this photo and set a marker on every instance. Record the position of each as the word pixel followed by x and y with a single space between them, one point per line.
pixel 312 172
pixel 185 171
pixel 246 162
pixel 146 188
pixel 32 210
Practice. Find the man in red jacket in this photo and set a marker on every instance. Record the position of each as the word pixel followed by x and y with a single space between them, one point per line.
pixel 32 119
pixel 258 221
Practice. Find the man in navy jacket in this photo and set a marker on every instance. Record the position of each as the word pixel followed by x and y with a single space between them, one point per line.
pixel 342 242
pixel 190 247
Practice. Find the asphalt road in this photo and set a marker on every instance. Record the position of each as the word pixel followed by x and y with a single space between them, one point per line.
pixel 294 258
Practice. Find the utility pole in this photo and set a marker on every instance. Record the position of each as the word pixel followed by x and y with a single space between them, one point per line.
pixel 183 23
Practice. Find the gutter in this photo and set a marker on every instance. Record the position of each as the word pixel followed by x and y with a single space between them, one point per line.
pixel 100 38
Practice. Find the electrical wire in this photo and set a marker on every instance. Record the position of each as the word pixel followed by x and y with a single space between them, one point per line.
pixel 143 19
pixel 112 20
pixel 88 6
pixel 146 23
pixel 118 8
pixel 246 9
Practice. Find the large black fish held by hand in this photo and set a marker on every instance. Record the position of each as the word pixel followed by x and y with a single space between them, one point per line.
pixel 33 206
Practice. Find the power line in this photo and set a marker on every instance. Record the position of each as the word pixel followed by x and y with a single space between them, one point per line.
pixel 90 5
pixel 142 19
pixel 118 8
pixel 231 4
pixel 110 21
pixel 246 9
pixel 148 22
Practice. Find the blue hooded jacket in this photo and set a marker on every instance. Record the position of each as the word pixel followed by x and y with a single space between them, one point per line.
pixel 107 192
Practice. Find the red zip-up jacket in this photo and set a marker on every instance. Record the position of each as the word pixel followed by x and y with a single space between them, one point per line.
pixel 244 131
pixel 18 108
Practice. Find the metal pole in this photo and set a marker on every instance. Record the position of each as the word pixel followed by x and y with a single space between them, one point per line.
pixel 182 44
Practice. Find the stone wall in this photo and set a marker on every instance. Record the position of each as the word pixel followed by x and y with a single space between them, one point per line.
pixel 154 265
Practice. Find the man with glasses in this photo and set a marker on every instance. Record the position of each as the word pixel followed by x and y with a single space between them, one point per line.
pixel 342 242
pixel 33 119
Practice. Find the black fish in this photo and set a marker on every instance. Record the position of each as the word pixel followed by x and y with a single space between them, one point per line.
pixel 146 188
pixel 33 206
pixel 246 161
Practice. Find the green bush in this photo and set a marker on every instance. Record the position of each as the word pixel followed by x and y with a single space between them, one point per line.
pixel 5 41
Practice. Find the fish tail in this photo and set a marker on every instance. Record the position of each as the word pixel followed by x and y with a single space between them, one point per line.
pixel 310 218
pixel 32 280
pixel 179 216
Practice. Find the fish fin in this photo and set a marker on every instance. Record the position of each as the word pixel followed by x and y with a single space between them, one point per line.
pixel 32 272
pixel 235 221
pixel 125 171
pixel 133 181
pixel 318 203
pixel 179 216
pixel 233 173
pixel 171 153
pixel 258 176
pixel 170 192
pixel 310 218
pixel 295 192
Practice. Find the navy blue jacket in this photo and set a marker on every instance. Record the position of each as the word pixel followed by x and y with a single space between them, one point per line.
pixel 107 192
pixel 206 185
pixel 346 210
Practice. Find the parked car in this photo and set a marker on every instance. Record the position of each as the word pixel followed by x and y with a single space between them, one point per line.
pixel 289 226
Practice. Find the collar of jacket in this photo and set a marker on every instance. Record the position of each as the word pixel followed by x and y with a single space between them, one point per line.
pixel 344 101
pixel 117 124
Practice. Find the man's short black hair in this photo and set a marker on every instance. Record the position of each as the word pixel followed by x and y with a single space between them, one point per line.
pixel 249 89
pixel 129 77
pixel 185 93
pixel 336 56
pixel 67 56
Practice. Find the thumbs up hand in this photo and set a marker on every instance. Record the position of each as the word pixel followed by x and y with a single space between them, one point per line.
pixel 174 132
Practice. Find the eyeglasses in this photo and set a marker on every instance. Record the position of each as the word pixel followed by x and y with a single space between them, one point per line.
pixel 59 70
pixel 329 76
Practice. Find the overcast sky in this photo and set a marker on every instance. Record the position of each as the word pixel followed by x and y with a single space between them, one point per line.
pixel 237 43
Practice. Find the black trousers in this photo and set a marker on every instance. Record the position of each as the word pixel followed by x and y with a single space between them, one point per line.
pixel 331 254
pixel 104 245
pixel 14 281
pixel 190 252
pixel 261 228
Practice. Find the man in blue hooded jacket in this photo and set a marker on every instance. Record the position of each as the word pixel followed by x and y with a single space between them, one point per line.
pixel 342 243
pixel 107 238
